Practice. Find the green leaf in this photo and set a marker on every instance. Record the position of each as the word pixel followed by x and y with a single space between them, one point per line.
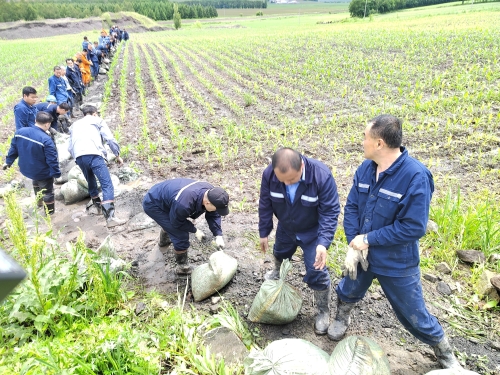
pixel 491 304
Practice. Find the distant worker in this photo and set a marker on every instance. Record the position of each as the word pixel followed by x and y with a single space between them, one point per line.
pixel 55 110
pixel 92 56
pixel 71 99
pixel 84 65
pixel 57 86
pixel 172 203
pixel 301 192
pixel 125 35
pixel 385 215
pixel 74 76
pixel 38 161
pixel 87 148
pixel 85 43
pixel 25 110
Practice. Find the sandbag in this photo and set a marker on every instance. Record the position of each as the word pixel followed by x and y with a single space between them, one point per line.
pixel 83 182
pixel 74 173
pixel 277 302
pixel 358 355
pixel 208 278
pixel 452 371
pixel 73 192
pixel 285 357
pixel 102 71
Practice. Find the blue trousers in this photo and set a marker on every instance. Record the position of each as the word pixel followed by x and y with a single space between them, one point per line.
pixel 179 238
pixel 406 298
pixel 92 166
pixel 285 246
pixel 94 69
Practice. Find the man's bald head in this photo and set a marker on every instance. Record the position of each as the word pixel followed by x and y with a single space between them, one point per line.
pixel 286 158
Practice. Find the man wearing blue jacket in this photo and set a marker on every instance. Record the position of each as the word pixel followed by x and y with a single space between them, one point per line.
pixel 54 110
pixel 37 155
pixel 302 193
pixel 57 86
pixel 385 215
pixel 172 202
pixel 25 111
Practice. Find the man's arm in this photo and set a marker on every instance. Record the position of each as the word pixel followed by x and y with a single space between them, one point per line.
pixel 21 117
pixel 265 205
pixel 351 212
pixel 13 153
pixel 214 222
pixel 52 86
pixel 108 137
pixel 328 211
pixel 179 218
pixel 51 158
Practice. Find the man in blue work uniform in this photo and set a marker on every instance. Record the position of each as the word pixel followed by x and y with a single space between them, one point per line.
pixel 75 80
pixel 172 202
pixel 92 56
pixel 54 110
pixel 25 110
pixel 37 155
pixel 85 43
pixel 386 214
pixel 302 193
pixel 57 86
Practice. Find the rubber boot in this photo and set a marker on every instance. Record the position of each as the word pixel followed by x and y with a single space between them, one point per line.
pixel 108 210
pixel 322 298
pixel 445 356
pixel 274 274
pixel 338 328
pixel 50 208
pixel 39 201
pixel 183 267
pixel 94 206
pixel 164 239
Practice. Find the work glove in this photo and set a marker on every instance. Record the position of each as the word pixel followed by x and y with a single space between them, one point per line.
pixel 6 166
pixel 200 236
pixel 219 241
pixel 352 258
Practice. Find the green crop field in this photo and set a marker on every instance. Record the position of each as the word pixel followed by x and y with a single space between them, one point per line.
pixel 215 99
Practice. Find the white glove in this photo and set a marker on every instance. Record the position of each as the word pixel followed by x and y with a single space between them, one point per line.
pixel 219 241
pixel 352 258
pixel 200 236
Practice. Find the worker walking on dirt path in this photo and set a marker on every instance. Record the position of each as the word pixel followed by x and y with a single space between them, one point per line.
pixel 172 202
pixel 25 111
pixel 385 215
pixel 302 193
pixel 86 147
pixel 37 155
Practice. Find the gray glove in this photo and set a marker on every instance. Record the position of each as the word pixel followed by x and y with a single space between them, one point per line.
pixel 352 258
pixel 6 166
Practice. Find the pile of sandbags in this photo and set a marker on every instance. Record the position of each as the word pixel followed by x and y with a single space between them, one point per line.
pixel 210 277
pixel 277 302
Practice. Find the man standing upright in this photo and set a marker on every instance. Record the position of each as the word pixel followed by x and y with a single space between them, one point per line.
pixel 302 193
pixel 57 86
pixel 25 111
pixel 37 155
pixel 385 215
pixel 75 80
pixel 87 148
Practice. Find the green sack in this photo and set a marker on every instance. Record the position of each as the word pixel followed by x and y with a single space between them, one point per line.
pixel 277 302
pixel 358 355
pixel 286 357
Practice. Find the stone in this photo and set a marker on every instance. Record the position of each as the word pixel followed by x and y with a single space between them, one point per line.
pixel 495 281
pixel 141 221
pixel 140 308
pixel 432 227
pixel 215 300
pixel 495 345
pixel 127 174
pixel 485 288
pixel 430 277
pixel 214 309
pixel 443 267
pixel 443 288
pixel 223 343
pixel 376 296
pixel 495 257
pixel 471 256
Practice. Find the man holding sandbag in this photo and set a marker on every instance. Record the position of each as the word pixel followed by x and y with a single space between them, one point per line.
pixel 302 193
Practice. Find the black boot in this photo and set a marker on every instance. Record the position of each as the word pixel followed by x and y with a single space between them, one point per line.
pixel 338 328
pixel 164 239
pixel 108 210
pixel 274 274
pixel 183 267
pixel 94 206
pixel 50 208
pixel 39 201
pixel 322 298
pixel 445 356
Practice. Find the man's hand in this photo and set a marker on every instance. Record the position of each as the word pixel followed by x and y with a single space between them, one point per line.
pixel 219 241
pixel 119 160
pixel 6 166
pixel 352 258
pixel 264 245
pixel 357 243
pixel 320 260
pixel 200 236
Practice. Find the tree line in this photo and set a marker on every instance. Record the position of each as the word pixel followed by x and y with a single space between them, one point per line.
pixel 228 4
pixel 157 10
pixel 357 7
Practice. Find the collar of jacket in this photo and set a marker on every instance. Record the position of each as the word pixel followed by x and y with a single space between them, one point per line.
pixel 394 166
pixel 199 201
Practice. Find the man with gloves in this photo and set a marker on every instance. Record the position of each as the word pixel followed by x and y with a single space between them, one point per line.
pixel 302 193
pixel 385 215
pixel 172 202
pixel 37 155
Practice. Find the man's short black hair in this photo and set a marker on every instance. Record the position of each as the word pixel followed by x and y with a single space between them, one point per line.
pixel 28 90
pixel 64 106
pixel 388 128
pixel 57 67
pixel 85 38
pixel 69 59
pixel 286 158
pixel 43 118
pixel 89 110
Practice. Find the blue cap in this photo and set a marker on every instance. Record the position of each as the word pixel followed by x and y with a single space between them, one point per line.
pixel 51 98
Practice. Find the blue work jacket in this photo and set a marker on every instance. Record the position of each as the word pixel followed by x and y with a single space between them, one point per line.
pixel 57 87
pixel 85 44
pixel 392 211
pixel 75 78
pixel 50 109
pixel 37 154
pixel 182 198
pixel 24 114
pixel 313 215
